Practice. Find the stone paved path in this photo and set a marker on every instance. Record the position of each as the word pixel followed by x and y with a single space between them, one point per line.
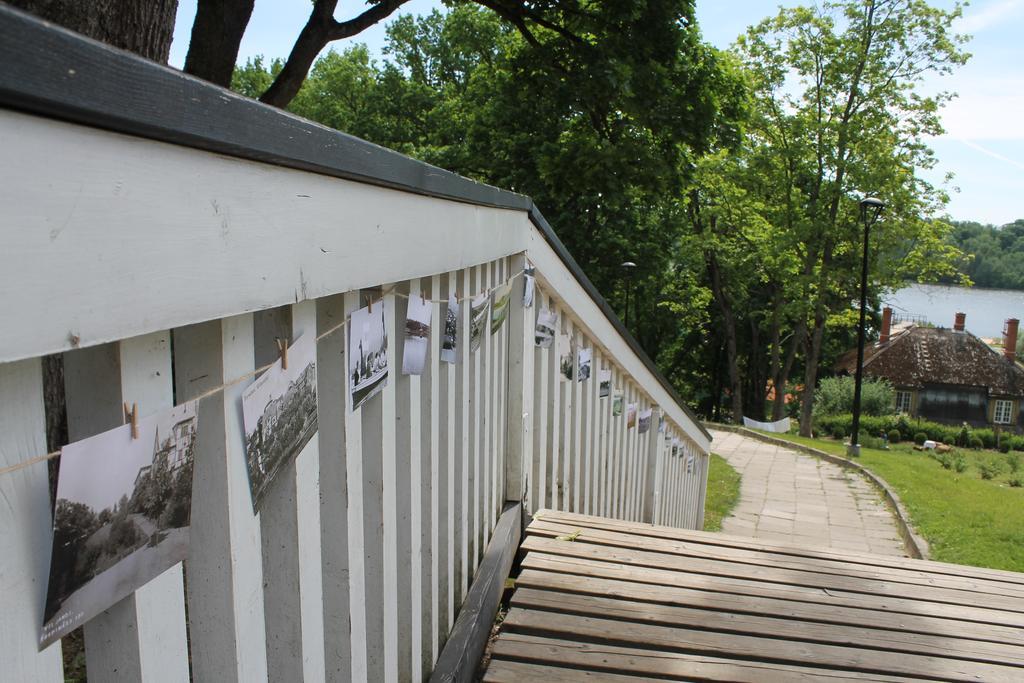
pixel 790 497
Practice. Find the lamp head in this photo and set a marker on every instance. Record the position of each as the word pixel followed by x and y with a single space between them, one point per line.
pixel 628 267
pixel 871 203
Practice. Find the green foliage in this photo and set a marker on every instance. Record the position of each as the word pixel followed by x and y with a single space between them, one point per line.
pixel 989 469
pixel 835 396
pixel 1015 482
pixel 976 443
pixel 993 255
pixel 1013 463
pixel 895 436
pixel 960 464
pixel 920 438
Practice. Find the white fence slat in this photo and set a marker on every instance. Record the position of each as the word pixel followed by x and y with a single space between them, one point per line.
pixel 357 548
pixel 450 452
pixel 225 574
pixel 555 423
pixel 389 496
pixel 26 527
pixel 538 482
pixel 430 406
pixel 465 401
pixel 408 496
pixel 97 382
pixel 332 372
pixel 485 452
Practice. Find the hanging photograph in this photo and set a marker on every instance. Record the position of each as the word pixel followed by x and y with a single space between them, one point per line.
pixel 675 447
pixel 122 516
pixel 529 285
pixel 499 307
pixel 477 319
pixel 367 355
pixel 451 328
pixel 545 332
pixel 605 389
pixel 661 424
pixel 631 416
pixel 645 421
pixel 279 414
pixel 617 405
pixel 417 335
pixel 565 359
pixel 585 356
pixel 689 462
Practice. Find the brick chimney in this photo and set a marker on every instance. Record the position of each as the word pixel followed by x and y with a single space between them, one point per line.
pixel 1010 339
pixel 958 324
pixel 886 325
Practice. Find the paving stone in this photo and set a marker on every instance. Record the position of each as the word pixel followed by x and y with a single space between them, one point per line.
pixel 790 497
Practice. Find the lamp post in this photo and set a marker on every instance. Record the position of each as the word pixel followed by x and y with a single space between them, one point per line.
pixel 870 210
pixel 627 268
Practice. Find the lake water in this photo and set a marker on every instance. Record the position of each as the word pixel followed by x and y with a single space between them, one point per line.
pixel 986 309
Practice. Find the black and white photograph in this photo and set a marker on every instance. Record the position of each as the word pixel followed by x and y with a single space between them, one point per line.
pixel 645 421
pixel 451 330
pixel 661 424
pixel 545 332
pixel 689 462
pixel 499 306
pixel 585 356
pixel 529 285
pixel 565 357
pixel 631 416
pixel 605 389
pixel 122 516
pixel 279 414
pixel 367 355
pixel 417 335
pixel 477 320
pixel 675 447
pixel 617 405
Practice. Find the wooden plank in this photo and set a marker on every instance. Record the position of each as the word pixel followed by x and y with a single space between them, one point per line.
pixel 461 654
pixel 842 558
pixel 569 658
pixel 597 567
pixel 971 589
pixel 769 625
pixel 767 574
pixel 332 387
pixel 26 527
pixel 143 635
pixel 760 604
pixel 516 672
pixel 358 614
pixel 772 649
pixel 225 571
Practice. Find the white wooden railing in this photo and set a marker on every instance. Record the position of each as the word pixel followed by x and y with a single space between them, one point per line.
pixel 160 233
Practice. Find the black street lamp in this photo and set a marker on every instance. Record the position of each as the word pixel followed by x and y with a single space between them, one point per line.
pixel 627 268
pixel 870 210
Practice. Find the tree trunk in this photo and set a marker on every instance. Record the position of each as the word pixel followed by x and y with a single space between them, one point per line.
pixel 216 34
pixel 735 384
pixel 811 371
pixel 781 378
pixel 144 27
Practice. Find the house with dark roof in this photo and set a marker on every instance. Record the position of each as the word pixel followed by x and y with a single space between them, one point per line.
pixel 947 375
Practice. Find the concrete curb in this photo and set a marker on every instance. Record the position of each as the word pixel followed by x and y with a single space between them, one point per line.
pixel 915 546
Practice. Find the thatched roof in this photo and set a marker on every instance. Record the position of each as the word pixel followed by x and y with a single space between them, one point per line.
pixel 918 356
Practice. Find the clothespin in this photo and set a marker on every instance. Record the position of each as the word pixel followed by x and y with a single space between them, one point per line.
pixel 132 415
pixel 423 298
pixel 369 305
pixel 282 347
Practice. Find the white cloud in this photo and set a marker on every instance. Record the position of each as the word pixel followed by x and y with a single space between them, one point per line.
pixel 989 15
pixel 986 109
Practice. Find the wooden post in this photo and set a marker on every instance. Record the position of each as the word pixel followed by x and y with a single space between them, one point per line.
pixel 654 444
pixel 225 574
pixel 26 528
pixel 143 636
pixel 519 416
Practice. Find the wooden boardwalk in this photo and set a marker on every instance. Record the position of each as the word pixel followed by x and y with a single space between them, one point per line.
pixel 607 600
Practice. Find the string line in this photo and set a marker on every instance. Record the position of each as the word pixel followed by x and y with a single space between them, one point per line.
pixel 249 375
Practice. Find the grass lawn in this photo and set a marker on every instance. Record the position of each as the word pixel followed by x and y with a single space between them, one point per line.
pixel 964 518
pixel 723 492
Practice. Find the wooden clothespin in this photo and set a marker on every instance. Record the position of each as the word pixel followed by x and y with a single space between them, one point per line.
pixel 369 305
pixel 132 415
pixel 423 298
pixel 282 347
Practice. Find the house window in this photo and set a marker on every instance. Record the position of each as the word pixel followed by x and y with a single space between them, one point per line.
pixel 903 402
pixel 1003 412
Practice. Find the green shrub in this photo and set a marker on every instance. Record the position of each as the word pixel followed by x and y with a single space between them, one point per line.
pixel 987 436
pixel 960 464
pixel 1013 462
pixel 945 459
pixel 835 397
pixel 1015 482
pixel 894 436
pixel 976 443
pixel 920 438
pixel 988 469
pixel 1004 446
pixel 963 437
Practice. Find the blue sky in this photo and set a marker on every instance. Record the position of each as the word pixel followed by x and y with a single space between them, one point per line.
pixel 984 142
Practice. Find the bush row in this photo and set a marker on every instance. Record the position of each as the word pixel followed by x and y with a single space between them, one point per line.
pixel 840 426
